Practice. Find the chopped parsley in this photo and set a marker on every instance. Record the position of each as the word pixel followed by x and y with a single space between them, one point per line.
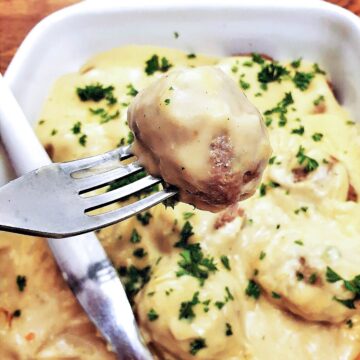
pixel 317 69
pixel 309 163
pixel 296 63
pixel 281 107
pixel 271 72
pixel 349 324
pixel 135 238
pixel 154 64
pixel 349 122
pixel 219 304
pixel 313 278
pixel 229 296
pixel 187 215
pixel 21 282
pixel 317 137
pixel 144 218
pixel 186 307
pixel 16 313
pixel 228 329
pixel 96 92
pixel 53 132
pixel 350 285
pixel 185 233
pixel 225 261
pixel 302 80
pixel 196 345
pixel 176 35
pixel 262 255
pixel 244 85
pixel 83 140
pixel 167 101
pixel 299 242
pixel 248 63
pixel 298 131
pixel 194 263
pixel 76 129
pixel 319 100
pixel 257 58
pixel 131 90
pixel 152 315
pixel 104 115
pixel 253 290
pixel 134 279
pixel 262 190
pixel 275 295
pixel 303 209
pixel 191 56
pixel 139 253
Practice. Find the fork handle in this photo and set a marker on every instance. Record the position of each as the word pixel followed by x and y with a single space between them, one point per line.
pixel 82 260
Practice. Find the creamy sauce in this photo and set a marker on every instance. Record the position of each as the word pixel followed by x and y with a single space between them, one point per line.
pixel 197 130
pixel 283 238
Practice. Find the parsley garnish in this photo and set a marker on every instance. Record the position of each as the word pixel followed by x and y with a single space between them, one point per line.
pixel 196 345
pixel 317 136
pixel 312 279
pixel 135 238
pixel 304 209
pixel 309 163
pixel 244 85
pixel 21 282
pixel 186 307
pixel 53 132
pixel 271 72
pixel 153 65
pixel 96 92
pixel 228 329
pixel 188 215
pixel 144 218
pixel 299 242
pixel 167 101
pixel 176 35
pixel 299 131
pixel 131 90
pixel 185 234
pixel 16 313
pixel 296 63
pixel 349 323
pixel 104 115
pixel 225 261
pixel 191 56
pixel 139 253
pixel 253 290
pixel 152 315
pixel 282 105
pixel 317 69
pixel 319 100
pixel 275 295
pixel 219 304
pixel 83 140
pixel 262 190
pixel 257 58
pixel 262 255
pixel 76 129
pixel 194 263
pixel 302 80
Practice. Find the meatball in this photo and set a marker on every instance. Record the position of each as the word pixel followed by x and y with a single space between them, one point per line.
pixel 197 130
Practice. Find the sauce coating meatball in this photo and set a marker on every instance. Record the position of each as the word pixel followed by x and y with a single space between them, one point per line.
pixel 197 130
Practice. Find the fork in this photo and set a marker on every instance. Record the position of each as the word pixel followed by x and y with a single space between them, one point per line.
pixel 48 201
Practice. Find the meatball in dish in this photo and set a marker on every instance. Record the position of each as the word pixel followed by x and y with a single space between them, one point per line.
pixel 197 130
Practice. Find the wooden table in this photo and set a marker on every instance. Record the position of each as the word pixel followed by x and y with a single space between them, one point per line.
pixel 17 17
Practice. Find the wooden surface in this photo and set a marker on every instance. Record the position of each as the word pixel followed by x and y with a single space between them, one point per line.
pixel 17 17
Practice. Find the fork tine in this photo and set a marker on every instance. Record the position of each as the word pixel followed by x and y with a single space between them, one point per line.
pixel 94 202
pixel 127 211
pixel 98 180
pixel 120 153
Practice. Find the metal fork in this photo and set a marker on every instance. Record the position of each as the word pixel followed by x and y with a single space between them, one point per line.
pixel 47 202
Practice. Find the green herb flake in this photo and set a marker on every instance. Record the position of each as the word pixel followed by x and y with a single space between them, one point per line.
pixel 248 64
pixel 253 290
pixel 191 56
pixel 262 255
pixel 296 63
pixel 167 101
pixel 275 295
pixel 96 92
pixel 144 218
pixel 299 242
pixel 76 129
pixel 262 190
pixel 313 278
pixel 309 163
pixel 229 296
pixel 299 131
pixel 349 122
pixel 135 237
pixel 332 276
pixel 185 234
pixel 317 137
pixel 21 282
pixel 130 138
pixel 83 140
pixel 176 35
pixel 349 323
pixel 257 58
pixel 187 215
pixel 244 85
pixel 319 100
pixel 131 91
pixel 226 262
pixel 152 315
pixel 16 313
pixel 186 307
pixel 154 64
pixel 196 345
pixel 139 253
pixel 53 132
pixel 302 80
pixel 303 209
pixel 228 330
pixel 317 69
pixel 271 72
pixel 268 121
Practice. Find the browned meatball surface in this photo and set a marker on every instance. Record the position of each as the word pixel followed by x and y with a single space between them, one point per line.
pixel 197 130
